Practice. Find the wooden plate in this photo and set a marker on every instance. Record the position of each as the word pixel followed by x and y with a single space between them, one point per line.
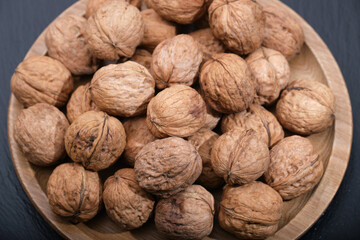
pixel 315 62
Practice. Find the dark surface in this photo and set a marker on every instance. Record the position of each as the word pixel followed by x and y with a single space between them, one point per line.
pixel 336 21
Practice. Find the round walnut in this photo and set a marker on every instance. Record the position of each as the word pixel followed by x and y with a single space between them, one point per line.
pixel 126 203
pixel 271 74
pixel 122 89
pixel 142 57
pixel 295 168
pixel 114 31
pixel 39 132
pixel 187 215
pixel 96 140
pixel 176 111
pixel 93 5
pixel 226 82
pixel 167 166
pixel 257 118
pixel 65 42
pixel 41 79
pixel 252 211
pixel 239 156
pixel 239 24
pixel 176 61
pixel 74 192
pixel 306 107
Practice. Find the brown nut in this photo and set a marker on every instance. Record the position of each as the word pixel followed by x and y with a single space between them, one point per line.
pixel 93 5
pixel 114 31
pixel 257 118
pixel 39 132
pixel 239 24
pixel 176 111
pixel 167 166
pixel 122 89
pixel 306 107
pixel 186 215
pixel 142 57
pixel 252 211
pixel 96 140
pixel 74 192
pixel 239 156
pixel 41 79
pixel 295 167
pixel 226 82
pixel 176 61
pixel 126 203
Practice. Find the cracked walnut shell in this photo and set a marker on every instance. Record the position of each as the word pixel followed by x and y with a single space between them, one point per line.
pixel 93 5
pixel 142 57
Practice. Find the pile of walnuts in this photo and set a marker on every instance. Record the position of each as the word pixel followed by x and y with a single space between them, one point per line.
pixel 178 109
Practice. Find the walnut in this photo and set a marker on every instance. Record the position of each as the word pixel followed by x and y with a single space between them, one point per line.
pixel 142 57
pixel 176 61
pixel 41 79
pixel 74 192
pixel 176 111
pixel 306 107
pixel 122 89
pixel 95 139
pixel 126 203
pixel 257 118
pixel 187 215
pixel 93 5
pixel 240 156
pixel 282 32
pixel 167 166
pixel 239 24
pixel 226 82
pixel 114 31
pixel 252 211
pixel 295 167
pixel 271 73
pixel 39 132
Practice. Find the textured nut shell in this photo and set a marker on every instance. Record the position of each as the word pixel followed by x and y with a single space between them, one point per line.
pixel 167 166
pixel 187 215
pixel 96 140
pixel 176 111
pixel 41 79
pixel 125 201
pixel 39 132
pixel 142 57
pixel 239 24
pixel 239 156
pixel 252 211
pixel 122 89
pixel 295 168
pixel 93 5
pixel 176 61
pixel 257 118
pixel 226 82
pixel 74 192
pixel 306 107
pixel 282 32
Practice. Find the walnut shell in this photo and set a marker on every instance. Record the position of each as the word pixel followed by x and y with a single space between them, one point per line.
pixel 226 82
pixel 93 5
pixel 176 61
pixel 142 57
pixel 96 140
pixel 239 24
pixel 114 31
pixel 252 211
pixel 41 79
pixel 167 166
pixel 271 74
pixel 239 156
pixel 187 215
pixel 306 107
pixel 126 203
pixel 257 118
pixel 122 89
pixel 295 167
pixel 39 132
pixel 282 32
pixel 74 192
pixel 176 111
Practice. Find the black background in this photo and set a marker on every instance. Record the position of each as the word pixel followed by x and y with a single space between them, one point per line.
pixel 336 21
